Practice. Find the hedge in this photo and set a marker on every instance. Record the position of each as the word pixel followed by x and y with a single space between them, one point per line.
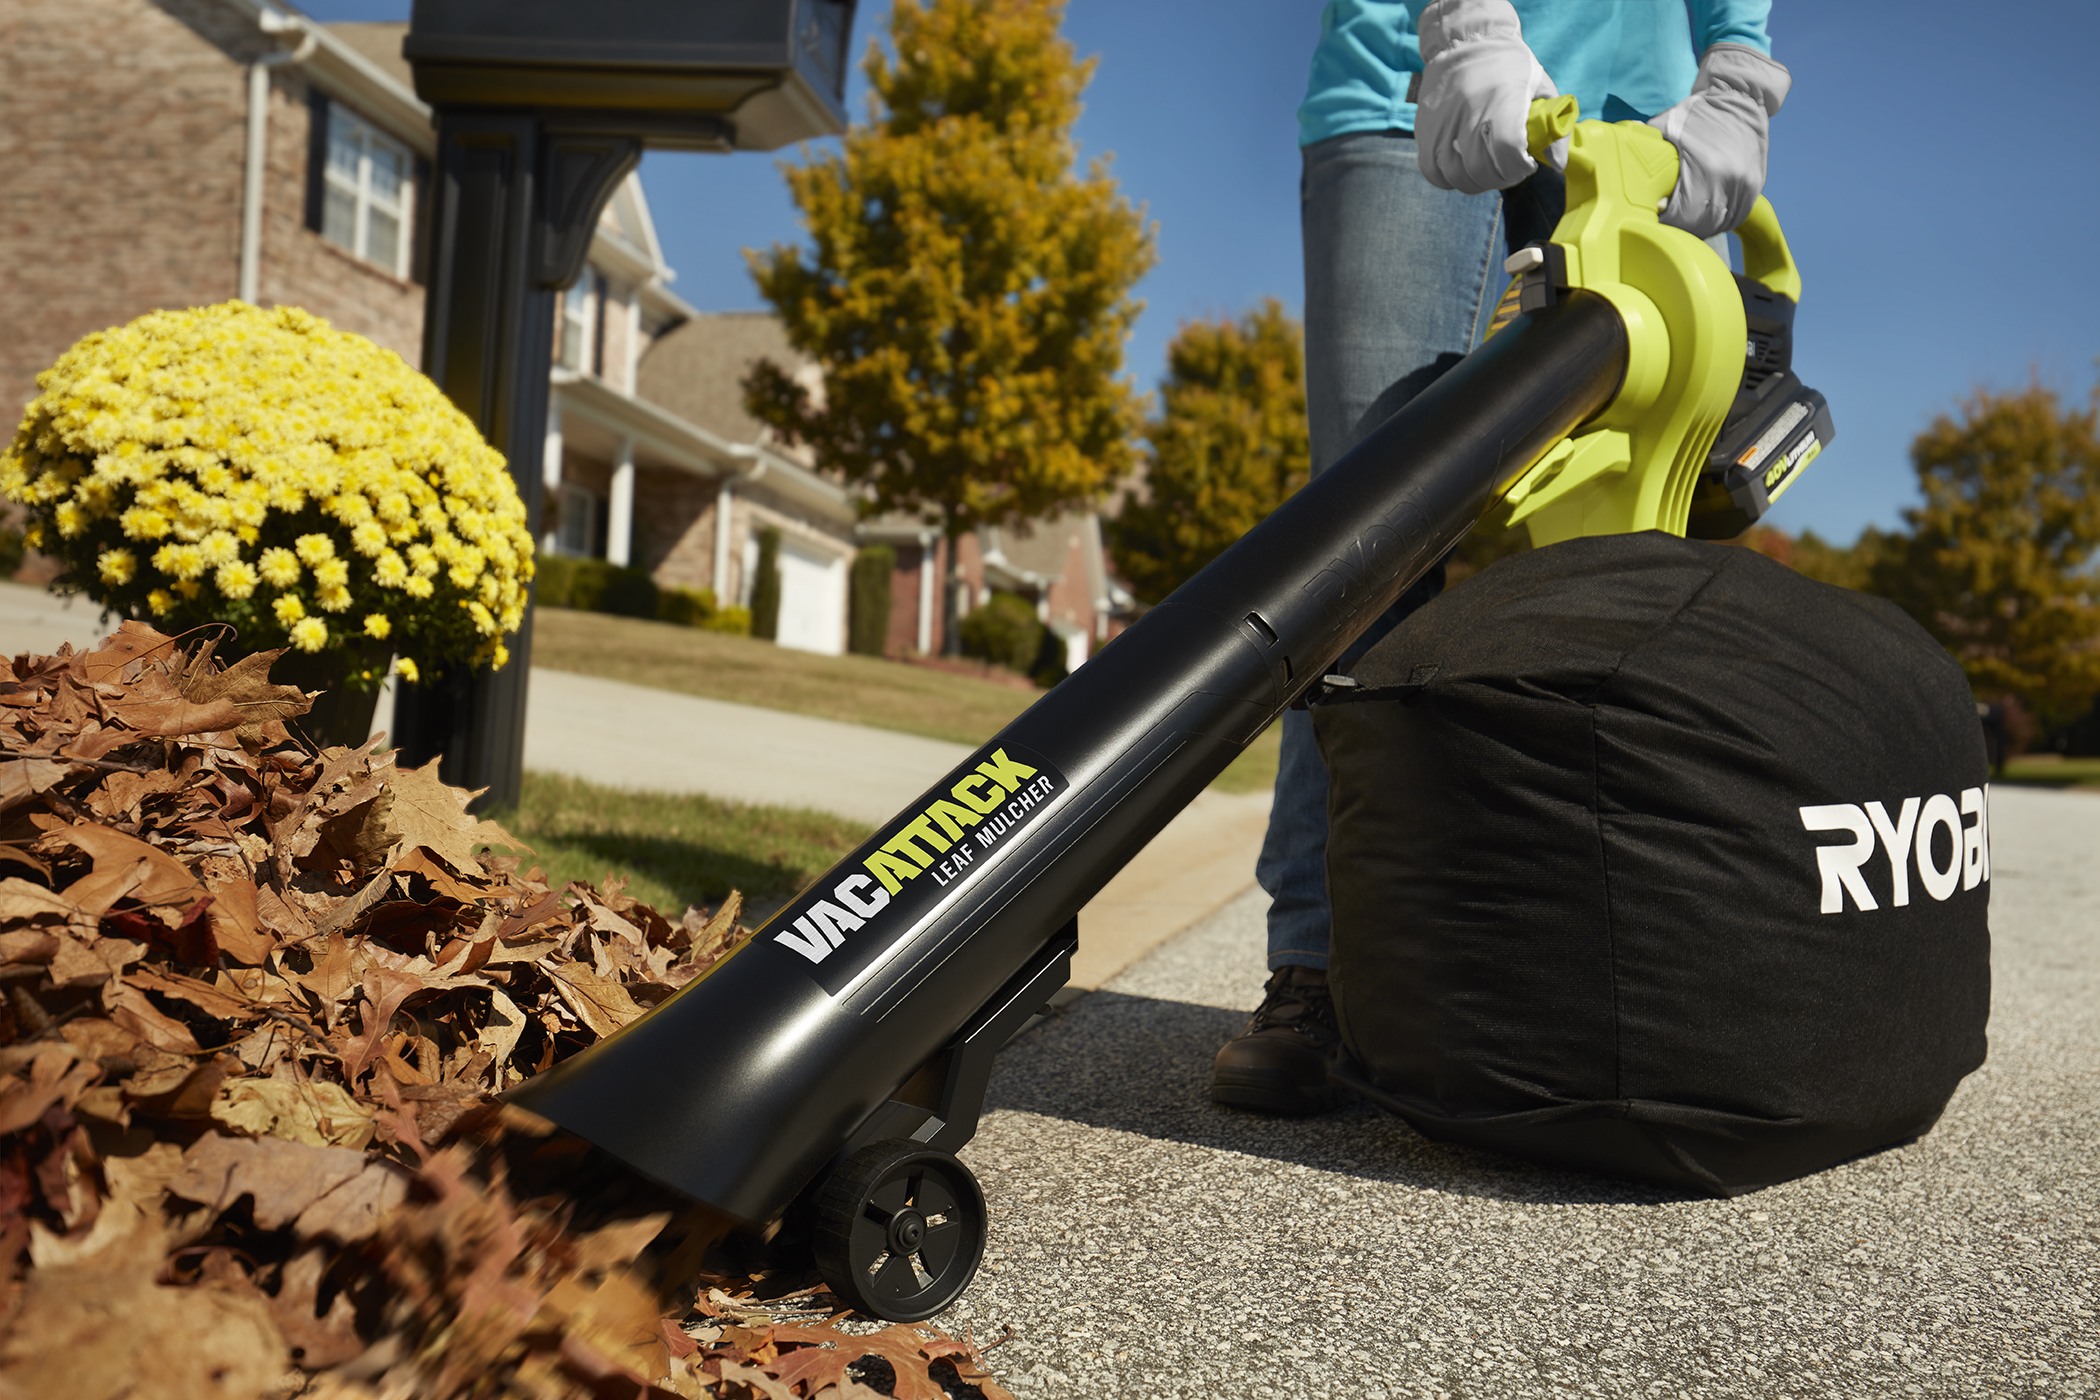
pixel 593 585
pixel 868 628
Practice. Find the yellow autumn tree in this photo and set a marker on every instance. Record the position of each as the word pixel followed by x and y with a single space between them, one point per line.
pixel 966 290
pixel 1228 446
pixel 1997 563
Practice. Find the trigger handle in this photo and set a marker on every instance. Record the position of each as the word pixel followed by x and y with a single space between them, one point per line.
pixel 1549 119
pixel 1766 258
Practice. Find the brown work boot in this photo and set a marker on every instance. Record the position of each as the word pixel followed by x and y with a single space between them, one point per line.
pixel 1279 1063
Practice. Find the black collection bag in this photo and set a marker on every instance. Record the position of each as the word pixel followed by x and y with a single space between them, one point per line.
pixel 1610 863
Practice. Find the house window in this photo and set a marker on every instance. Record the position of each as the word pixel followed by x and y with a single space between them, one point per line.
pixel 576 324
pixel 577 531
pixel 367 188
pixel 583 324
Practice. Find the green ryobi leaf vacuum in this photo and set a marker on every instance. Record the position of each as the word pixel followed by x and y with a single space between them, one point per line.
pixel 840 1057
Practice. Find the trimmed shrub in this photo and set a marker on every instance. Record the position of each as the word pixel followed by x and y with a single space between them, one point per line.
pixel 592 585
pixel 765 587
pixel 627 592
pixel 12 550
pixel 554 582
pixel 735 621
pixel 587 579
pixel 696 607
pixel 688 607
pixel 868 631
pixel 1005 632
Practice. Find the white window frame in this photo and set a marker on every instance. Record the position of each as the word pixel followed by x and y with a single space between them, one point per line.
pixel 582 338
pixel 577 534
pixel 367 138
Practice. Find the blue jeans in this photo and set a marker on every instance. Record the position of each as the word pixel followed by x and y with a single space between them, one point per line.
pixel 1400 280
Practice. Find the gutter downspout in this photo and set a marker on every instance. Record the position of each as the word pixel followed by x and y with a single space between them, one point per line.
pixel 725 498
pixel 271 22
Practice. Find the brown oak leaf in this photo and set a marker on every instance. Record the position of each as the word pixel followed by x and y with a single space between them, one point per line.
pixel 599 1002
pixel 236 923
pixel 22 779
pixel 431 815
pixel 318 1190
pixel 103 1327
pixel 166 881
pixel 316 1112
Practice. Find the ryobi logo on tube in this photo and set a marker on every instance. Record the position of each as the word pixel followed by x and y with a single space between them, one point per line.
pixel 1909 843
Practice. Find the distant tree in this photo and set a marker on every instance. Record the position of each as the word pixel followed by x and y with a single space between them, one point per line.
pixel 1996 563
pixel 967 291
pixel 1229 446
pixel 1847 566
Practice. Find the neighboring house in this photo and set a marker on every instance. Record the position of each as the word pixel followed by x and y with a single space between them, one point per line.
pixel 708 479
pixel 175 153
pixel 1060 564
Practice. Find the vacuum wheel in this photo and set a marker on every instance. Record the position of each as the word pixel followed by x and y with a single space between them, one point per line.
pixel 900 1230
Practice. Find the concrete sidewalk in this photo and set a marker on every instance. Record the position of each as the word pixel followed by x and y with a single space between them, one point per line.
pixel 634 737
pixel 1148 1243
pixel 34 620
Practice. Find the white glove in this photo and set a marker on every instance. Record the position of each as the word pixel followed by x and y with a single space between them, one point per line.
pixel 1721 134
pixel 1478 82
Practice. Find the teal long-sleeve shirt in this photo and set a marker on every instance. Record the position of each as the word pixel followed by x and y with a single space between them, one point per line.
pixel 1623 59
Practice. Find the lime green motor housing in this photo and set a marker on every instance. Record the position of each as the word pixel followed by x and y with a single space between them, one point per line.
pixel 1636 465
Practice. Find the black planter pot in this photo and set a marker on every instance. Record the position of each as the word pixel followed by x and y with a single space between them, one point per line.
pixel 342 713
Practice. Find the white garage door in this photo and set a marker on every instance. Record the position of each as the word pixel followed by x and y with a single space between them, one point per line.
pixel 812 599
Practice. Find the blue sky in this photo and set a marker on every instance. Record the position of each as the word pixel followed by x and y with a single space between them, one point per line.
pixel 1933 175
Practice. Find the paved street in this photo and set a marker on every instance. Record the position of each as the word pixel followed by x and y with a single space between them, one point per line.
pixel 1146 1243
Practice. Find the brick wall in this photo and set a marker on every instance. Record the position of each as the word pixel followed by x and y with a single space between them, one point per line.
pixel 122 133
pixel 674 527
pixel 121 130
pixel 903 636
pixel 301 268
pixel 1070 601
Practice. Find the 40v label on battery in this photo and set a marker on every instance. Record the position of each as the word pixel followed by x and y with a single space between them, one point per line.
pixel 864 905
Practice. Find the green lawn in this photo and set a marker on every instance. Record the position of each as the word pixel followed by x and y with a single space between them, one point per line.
pixel 2051 770
pixel 856 689
pixel 676 850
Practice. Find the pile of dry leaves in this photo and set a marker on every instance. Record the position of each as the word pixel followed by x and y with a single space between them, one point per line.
pixel 258 1003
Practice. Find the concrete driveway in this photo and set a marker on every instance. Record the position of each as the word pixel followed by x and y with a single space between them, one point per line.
pixel 1147 1243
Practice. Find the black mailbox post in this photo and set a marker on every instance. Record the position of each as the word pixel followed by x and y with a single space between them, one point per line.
pixel 543 106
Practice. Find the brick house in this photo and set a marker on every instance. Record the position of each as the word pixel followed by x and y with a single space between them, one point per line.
pixel 171 153
pixel 1060 564
pixel 653 449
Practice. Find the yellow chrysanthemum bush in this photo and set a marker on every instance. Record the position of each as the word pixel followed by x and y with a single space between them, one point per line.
pixel 259 467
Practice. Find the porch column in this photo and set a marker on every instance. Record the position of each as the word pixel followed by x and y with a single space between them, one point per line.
pixel 929 563
pixel 725 498
pixel 619 524
pixel 550 463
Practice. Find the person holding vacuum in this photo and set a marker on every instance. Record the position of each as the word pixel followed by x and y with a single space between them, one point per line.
pixel 1417 184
